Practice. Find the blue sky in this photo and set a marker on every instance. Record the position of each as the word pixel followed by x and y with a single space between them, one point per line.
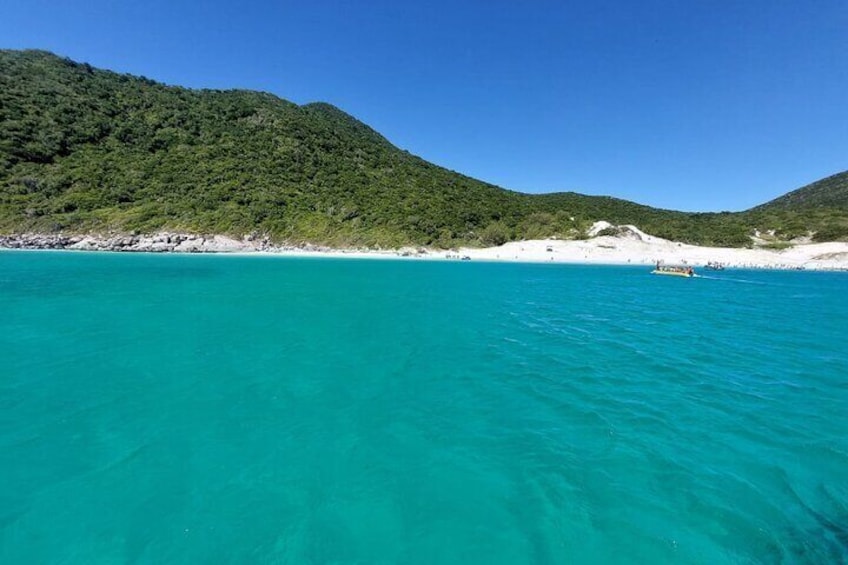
pixel 689 105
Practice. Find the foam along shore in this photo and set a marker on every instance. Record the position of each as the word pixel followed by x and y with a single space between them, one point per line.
pixel 629 246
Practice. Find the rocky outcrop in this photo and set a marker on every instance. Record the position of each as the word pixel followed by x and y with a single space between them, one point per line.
pixel 158 242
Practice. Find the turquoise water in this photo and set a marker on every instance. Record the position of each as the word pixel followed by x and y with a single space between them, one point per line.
pixel 212 409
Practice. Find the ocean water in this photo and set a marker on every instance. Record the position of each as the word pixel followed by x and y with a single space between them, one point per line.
pixel 218 409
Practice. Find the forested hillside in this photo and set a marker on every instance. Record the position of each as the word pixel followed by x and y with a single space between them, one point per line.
pixel 83 149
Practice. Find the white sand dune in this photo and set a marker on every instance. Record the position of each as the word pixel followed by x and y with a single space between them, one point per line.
pixel 613 250
pixel 631 246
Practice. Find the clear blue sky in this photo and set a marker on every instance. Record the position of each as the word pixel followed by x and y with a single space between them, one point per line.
pixel 690 105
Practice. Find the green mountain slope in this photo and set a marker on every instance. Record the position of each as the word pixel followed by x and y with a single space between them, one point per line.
pixel 830 192
pixel 83 149
pixel 89 149
pixel 821 207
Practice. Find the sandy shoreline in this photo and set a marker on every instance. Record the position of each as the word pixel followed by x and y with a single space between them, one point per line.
pixel 609 250
pixel 632 247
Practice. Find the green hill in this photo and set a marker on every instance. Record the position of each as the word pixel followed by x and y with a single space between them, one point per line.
pixel 83 149
pixel 821 207
pixel 830 192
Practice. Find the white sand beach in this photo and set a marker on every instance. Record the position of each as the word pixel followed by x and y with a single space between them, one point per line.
pixel 630 246
pixel 616 251
pixel 634 247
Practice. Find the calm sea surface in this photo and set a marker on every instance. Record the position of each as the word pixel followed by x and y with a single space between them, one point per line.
pixel 214 409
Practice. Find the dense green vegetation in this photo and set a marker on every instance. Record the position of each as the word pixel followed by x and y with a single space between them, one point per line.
pixel 820 206
pixel 830 192
pixel 83 149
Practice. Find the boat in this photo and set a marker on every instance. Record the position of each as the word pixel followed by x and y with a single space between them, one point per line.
pixel 674 271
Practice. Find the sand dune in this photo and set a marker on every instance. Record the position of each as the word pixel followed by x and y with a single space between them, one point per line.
pixel 615 250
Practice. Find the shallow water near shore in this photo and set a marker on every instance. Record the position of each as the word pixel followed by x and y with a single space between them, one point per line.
pixel 214 409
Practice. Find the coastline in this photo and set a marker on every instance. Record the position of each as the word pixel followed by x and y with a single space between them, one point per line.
pixel 631 247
